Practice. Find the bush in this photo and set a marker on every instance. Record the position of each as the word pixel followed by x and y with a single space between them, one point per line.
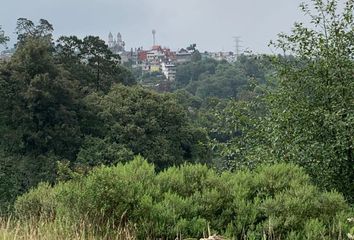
pixel 351 231
pixel 272 201
pixel 37 203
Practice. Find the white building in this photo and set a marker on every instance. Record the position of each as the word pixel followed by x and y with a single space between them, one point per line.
pixel 169 70
pixel 227 56
pixel 155 55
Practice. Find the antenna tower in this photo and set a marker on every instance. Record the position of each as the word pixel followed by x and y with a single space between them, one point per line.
pixel 154 37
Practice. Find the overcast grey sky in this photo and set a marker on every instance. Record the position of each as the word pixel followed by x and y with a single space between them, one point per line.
pixel 210 24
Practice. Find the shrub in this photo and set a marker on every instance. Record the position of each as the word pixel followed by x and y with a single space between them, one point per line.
pixel 271 201
pixel 351 232
pixel 37 203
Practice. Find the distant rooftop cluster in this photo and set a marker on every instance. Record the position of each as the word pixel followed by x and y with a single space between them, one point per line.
pixel 158 58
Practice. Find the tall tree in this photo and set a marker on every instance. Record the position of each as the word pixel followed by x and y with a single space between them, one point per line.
pixel 3 37
pixel 312 111
pixel 38 99
pixel 196 56
pixel 27 29
pixel 91 61
pixel 39 114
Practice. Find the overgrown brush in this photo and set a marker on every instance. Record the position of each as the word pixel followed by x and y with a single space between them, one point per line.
pixel 271 202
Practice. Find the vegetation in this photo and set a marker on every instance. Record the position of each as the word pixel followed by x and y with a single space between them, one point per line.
pixel 311 111
pixel 274 201
pixel 3 37
pixel 30 230
pixel 55 109
pixel 305 114
pixel 211 78
pixel 261 148
pixel 102 68
pixel 146 123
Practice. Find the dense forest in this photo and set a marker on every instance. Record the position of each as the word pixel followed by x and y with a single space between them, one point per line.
pixel 261 148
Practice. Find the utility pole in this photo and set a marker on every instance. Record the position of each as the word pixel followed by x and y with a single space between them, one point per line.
pixel 237 40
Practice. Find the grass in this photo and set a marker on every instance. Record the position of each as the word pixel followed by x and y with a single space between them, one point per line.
pixel 13 229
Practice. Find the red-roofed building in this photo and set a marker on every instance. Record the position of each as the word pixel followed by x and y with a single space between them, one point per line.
pixel 142 56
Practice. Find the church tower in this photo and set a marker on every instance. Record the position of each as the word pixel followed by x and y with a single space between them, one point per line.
pixel 110 40
pixel 120 42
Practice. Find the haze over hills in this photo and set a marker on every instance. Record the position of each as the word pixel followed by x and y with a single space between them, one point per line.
pixel 210 24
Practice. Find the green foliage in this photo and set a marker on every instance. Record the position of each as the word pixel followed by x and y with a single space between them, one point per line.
pixel 32 206
pixel 241 134
pixel 39 113
pixel 196 56
pixel 211 78
pixel 96 151
pixel 58 105
pixel 3 37
pixel 270 201
pixel 26 29
pixel 190 72
pixel 92 62
pixel 43 115
pixel 311 121
pixel 351 232
pixel 19 173
pixel 39 106
pixel 62 110
pixel 227 82
pixel 150 124
pixel 8 186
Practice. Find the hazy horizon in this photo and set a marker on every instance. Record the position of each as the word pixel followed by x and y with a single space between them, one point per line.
pixel 209 24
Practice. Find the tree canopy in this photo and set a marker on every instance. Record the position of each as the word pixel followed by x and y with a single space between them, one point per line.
pixel 312 108
pixel 3 37
pixel 150 124
pixel 92 62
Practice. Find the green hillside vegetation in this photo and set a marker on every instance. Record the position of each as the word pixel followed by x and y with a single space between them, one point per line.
pixel 52 111
pixel 261 148
pixel 211 78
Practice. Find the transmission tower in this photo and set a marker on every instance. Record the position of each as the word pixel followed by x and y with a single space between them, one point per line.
pixel 238 47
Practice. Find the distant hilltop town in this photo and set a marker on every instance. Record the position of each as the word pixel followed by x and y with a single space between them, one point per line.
pixel 158 58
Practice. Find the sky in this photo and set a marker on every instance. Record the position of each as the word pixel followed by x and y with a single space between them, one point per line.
pixel 211 24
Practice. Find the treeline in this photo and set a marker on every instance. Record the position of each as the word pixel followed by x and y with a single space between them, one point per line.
pixel 209 78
